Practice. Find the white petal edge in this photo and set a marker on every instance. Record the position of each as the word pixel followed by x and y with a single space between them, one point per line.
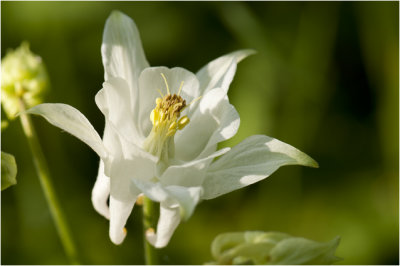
pixel 113 100
pixel 250 161
pixel 220 72
pixel 189 174
pixel 215 120
pixel 123 54
pixel 184 197
pixel 123 193
pixel 72 121
pixel 119 214
pixel 188 198
pixel 101 192
pixel 167 224
pixel 223 112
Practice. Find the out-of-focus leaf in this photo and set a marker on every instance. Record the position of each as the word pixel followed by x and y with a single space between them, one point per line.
pixel 271 248
pixel 297 250
pixel 8 170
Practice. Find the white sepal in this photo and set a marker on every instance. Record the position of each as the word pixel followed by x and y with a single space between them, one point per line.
pixel 250 161
pixel 73 121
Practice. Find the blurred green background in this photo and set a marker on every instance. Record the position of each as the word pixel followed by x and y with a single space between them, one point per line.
pixel 325 80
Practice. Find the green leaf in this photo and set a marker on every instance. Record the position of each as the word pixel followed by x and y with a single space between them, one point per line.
pixel 8 170
pixel 257 247
pixel 299 250
pixel 250 247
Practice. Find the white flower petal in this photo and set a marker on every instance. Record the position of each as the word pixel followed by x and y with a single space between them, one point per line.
pixel 123 193
pixel 217 104
pixel 250 161
pixel 220 72
pixel 130 152
pixel 123 170
pixel 190 174
pixel 187 197
pixel 119 213
pixel 71 120
pixel 167 223
pixel 151 83
pixel 154 191
pixel 122 53
pixel 101 192
pixel 184 197
pixel 114 102
pixel 215 120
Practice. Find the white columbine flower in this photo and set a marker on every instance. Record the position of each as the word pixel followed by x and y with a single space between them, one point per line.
pixel 161 139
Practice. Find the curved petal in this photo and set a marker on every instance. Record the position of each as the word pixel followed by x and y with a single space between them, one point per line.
pixel 167 223
pixel 154 191
pixel 119 213
pixel 220 72
pixel 151 83
pixel 101 189
pixel 114 102
pixel 184 197
pixel 71 120
pixel 250 161
pixel 101 192
pixel 187 198
pixel 122 53
pixel 189 174
pixel 131 163
pixel 215 120
pixel 170 214
pixel 223 112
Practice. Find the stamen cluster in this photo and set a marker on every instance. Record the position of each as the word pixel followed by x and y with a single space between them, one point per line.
pixel 166 113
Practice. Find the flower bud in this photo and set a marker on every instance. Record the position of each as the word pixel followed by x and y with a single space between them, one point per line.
pixel 23 77
pixel 271 248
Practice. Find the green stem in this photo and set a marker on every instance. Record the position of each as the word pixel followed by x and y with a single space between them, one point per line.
pixel 50 195
pixel 150 213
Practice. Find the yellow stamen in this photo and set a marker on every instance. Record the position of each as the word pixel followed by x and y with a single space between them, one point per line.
pixel 162 96
pixel 152 116
pixel 195 100
pixel 183 122
pixel 166 83
pixel 171 132
pixel 172 126
pixel 166 121
pixel 180 88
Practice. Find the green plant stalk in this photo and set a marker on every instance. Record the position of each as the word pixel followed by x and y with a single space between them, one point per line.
pixel 150 213
pixel 45 181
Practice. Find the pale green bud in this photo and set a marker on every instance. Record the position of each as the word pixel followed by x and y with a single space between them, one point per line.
pixel 8 170
pixel 23 76
pixel 272 248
